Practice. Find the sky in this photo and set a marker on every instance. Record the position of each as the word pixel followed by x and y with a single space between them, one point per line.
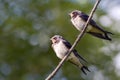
pixel 113 12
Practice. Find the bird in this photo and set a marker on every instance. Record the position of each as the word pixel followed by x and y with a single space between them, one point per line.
pixel 61 47
pixel 79 18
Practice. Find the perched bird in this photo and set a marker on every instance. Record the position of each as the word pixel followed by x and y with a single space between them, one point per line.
pixel 61 47
pixel 79 19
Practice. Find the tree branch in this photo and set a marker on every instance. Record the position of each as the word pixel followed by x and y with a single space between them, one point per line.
pixel 75 43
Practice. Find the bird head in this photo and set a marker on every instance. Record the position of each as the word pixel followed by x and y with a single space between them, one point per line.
pixel 74 13
pixel 56 38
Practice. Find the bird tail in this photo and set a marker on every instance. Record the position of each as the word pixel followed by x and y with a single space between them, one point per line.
pixel 105 35
pixel 83 68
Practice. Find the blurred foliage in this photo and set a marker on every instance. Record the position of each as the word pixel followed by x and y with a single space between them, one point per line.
pixel 25 49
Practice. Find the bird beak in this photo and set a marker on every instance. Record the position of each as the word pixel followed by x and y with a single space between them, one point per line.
pixel 70 14
pixel 50 39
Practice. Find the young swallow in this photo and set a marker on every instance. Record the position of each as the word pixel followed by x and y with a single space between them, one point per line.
pixel 79 19
pixel 61 47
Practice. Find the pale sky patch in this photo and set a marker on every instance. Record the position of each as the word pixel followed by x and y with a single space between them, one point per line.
pixel 114 12
pixel 116 63
pixel 105 21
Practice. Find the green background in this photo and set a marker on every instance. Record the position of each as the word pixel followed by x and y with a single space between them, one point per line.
pixel 26 27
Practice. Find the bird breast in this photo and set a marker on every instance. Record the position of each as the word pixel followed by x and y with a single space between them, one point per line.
pixel 60 49
pixel 79 23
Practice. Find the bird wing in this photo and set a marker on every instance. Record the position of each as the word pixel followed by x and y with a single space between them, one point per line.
pixel 91 22
pixel 77 55
pixel 68 45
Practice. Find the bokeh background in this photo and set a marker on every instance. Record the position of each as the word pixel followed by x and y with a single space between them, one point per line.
pixel 26 27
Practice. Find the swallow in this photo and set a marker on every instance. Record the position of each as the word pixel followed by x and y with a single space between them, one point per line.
pixel 61 47
pixel 78 19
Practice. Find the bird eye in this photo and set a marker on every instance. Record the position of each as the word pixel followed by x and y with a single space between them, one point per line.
pixel 74 13
pixel 55 38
